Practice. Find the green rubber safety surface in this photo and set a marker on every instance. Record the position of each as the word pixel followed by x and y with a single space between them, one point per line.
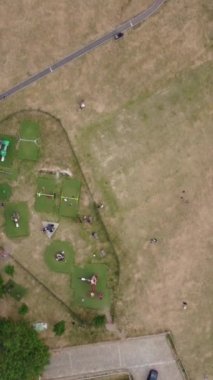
pixel 11 229
pixel 83 296
pixel 5 191
pixel 70 196
pixel 47 195
pixel 58 247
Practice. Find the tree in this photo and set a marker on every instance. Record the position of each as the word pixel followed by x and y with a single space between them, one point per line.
pixel 9 269
pixel 22 354
pixel 23 309
pixel 59 328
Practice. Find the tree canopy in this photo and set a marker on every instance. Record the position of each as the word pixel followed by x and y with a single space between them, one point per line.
pixel 22 354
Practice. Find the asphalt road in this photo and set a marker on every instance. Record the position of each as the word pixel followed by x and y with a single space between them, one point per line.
pixel 141 17
pixel 135 356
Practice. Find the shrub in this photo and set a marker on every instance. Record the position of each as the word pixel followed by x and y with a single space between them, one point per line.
pixel 59 328
pixel 23 309
pixel 2 291
pixel 9 269
pixel 99 320
pixel 14 290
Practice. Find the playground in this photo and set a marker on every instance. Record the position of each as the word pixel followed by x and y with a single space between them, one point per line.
pixel 89 283
pixel 7 150
pixel 70 195
pixel 90 286
pixel 16 220
pixel 29 141
pixel 59 256
pixel 58 196
pixel 47 195
pixel 42 195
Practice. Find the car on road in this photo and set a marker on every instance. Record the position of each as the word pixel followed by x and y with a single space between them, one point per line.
pixel 118 35
pixel 153 375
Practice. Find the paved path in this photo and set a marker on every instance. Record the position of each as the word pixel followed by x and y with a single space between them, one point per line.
pixel 141 17
pixel 137 355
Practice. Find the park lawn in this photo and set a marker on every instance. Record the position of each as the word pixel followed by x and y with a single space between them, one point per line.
pixel 28 150
pixel 70 197
pixel 58 246
pixel 10 229
pixel 49 189
pixel 29 130
pixel 5 191
pixel 81 289
pixel 11 151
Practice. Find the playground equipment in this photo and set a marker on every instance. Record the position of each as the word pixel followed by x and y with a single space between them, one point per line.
pixel 60 256
pixel 93 284
pixel 3 149
pixel 51 196
pixel 15 218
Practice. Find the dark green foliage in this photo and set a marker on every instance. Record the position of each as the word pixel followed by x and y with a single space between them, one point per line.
pixel 2 291
pixel 23 309
pixel 22 354
pixel 99 321
pixel 14 290
pixel 59 328
pixel 9 269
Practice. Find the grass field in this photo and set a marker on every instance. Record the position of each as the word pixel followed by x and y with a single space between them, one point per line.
pixel 10 229
pixel 29 140
pixel 144 137
pixel 60 267
pixel 70 197
pixel 46 198
pixel 5 191
pixel 82 289
pixel 11 151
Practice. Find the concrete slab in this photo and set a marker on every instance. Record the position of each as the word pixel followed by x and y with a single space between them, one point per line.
pixel 137 355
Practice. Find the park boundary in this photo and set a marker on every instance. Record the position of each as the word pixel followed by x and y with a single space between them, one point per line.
pixel 97 213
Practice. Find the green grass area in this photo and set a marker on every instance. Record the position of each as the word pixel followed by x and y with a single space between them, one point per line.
pixel 47 195
pixel 82 289
pixel 59 246
pixel 70 197
pixel 11 151
pixel 29 148
pixel 10 229
pixel 5 191
pixel 14 290
pixel 29 130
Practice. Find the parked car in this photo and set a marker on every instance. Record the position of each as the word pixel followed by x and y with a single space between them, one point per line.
pixel 153 375
pixel 118 35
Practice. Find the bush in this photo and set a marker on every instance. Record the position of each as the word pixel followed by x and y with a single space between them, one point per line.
pixel 23 309
pixel 14 290
pixel 23 355
pixel 59 328
pixel 99 320
pixel 2 291
pixel 9 269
